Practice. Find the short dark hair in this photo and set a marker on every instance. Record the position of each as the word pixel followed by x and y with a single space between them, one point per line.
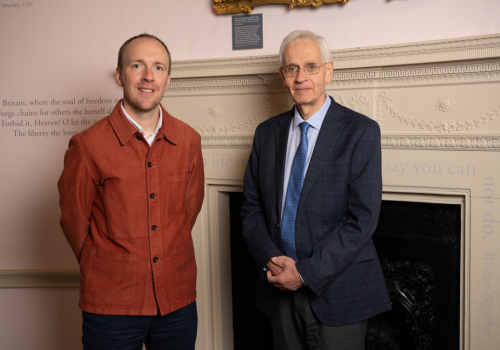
pixel 145 35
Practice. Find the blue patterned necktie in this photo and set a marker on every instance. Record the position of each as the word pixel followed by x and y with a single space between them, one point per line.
pixel 293 196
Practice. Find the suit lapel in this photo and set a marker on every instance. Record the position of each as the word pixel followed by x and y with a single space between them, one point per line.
pixel 328 135
pixel 281 138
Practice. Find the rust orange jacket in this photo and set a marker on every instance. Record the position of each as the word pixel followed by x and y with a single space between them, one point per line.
pixel 127 213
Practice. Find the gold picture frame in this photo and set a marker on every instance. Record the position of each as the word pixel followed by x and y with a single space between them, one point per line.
pixel 223 7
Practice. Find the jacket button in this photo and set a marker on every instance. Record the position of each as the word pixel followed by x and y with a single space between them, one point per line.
pixel 277 225
pixel 153 227
pixel 150 164
pixel 138 137
pixel 152 195
pixel 155 259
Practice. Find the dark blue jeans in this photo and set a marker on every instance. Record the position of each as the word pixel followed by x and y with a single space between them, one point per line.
pixel 174 331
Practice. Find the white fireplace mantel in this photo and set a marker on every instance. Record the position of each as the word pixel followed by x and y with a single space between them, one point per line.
pixel 438 106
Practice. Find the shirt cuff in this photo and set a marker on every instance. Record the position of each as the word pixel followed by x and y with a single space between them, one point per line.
pixel 302 279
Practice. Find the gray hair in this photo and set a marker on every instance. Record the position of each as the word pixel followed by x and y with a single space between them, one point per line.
pixel 308 35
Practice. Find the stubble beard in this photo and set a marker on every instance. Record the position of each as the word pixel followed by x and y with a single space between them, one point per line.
pixel 139 108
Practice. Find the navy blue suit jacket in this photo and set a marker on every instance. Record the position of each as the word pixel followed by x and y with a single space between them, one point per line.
pixel 337 214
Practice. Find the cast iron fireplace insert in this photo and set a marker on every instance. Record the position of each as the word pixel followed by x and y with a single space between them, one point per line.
pixel 419 248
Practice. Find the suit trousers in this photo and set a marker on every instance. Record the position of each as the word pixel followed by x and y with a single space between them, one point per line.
pixel 173 331
pixel 295 327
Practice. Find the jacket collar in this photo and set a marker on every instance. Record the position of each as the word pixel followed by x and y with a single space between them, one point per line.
pixel 124 130
pixel 168 129
pixel 327 138
pixel 281 138
pixel 328 135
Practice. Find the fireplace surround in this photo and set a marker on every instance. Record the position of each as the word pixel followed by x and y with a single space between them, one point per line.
pixel 438 108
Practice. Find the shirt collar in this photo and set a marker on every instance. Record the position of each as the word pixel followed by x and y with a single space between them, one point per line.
pixel 316 120
pixel 138 127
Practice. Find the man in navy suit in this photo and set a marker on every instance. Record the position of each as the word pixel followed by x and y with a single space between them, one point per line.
pixel 313 189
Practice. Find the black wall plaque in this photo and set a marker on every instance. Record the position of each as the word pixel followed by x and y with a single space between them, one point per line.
pixel 247 32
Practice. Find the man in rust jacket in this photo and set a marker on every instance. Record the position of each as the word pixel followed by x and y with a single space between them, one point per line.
pixel 130 192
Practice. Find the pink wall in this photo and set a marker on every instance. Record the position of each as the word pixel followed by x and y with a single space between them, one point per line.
pixel 61 50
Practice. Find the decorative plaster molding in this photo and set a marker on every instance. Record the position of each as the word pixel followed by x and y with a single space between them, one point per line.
pixel 226 62
pixel 226 141
pixel 282 103
pixel 259 75
pixel 464 143
pixel 432 51
pixel 224 129
pixel 225 66
pixel 217 86
pixel 389 141
pixel 479 72
pixel 479 47
pixel 448 45
pixel 355 102
pixel 431 125
pixel 39 279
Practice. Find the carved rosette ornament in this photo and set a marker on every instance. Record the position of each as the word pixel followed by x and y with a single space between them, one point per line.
pixel 214 111
pixel 445 104
pixel 223 7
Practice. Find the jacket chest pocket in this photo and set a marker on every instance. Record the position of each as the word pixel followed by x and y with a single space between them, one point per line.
pixel 178 185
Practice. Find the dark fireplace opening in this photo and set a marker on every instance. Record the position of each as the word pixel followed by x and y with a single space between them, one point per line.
pixel 419 248
pixel 251 328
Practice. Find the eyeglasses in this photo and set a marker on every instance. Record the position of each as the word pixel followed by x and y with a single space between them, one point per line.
pixel 310 69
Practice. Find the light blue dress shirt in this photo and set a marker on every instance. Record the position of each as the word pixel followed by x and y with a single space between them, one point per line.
pixel 294 135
